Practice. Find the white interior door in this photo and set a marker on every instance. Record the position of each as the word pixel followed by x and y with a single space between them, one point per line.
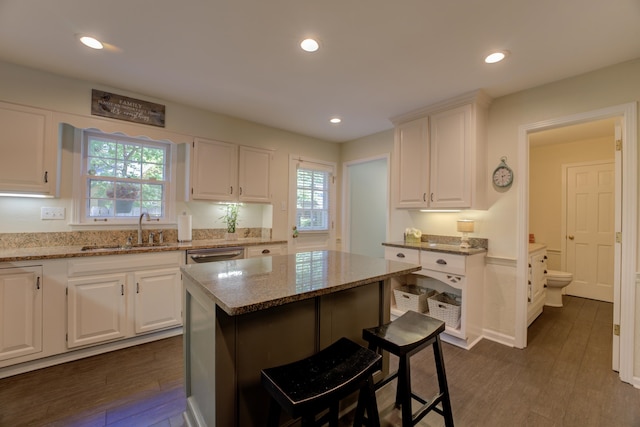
pixel 366 204
pixel 590 229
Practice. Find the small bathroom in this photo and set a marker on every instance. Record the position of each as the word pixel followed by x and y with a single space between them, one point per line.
pixel 572 174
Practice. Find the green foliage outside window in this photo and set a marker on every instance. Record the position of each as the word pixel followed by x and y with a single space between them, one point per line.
pixel 125 176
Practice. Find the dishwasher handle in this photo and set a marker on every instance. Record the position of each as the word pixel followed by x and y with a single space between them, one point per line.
pixel 216 256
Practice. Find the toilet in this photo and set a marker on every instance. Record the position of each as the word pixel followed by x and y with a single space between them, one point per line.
pixel 556 281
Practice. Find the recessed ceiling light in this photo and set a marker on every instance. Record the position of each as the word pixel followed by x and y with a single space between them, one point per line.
pixel 91 42
pixel 335 120
pixel 309 45
pixel 497 56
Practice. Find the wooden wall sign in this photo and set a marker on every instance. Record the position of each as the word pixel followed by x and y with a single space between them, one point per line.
pixel 120 107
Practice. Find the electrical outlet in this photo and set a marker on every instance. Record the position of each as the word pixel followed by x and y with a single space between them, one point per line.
pixel 51 213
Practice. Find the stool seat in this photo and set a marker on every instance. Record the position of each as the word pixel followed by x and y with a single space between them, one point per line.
pixel 408 333
pixel 404 337
pixel 306 387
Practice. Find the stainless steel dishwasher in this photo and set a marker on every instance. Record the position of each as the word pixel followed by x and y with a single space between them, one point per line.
pixel 198 256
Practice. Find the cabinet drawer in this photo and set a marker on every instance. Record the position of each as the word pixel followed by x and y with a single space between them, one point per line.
pixel 402 254
pixel 445 262
pixel 265 250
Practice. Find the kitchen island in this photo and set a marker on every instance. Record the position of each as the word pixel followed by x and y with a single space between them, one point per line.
pixel 241 316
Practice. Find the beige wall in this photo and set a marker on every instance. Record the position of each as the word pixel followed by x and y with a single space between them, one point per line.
pixel 545 183
pixel 39 89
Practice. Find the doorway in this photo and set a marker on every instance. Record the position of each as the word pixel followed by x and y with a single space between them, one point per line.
pixel 625 250
pixel 366 205
pixel 572 203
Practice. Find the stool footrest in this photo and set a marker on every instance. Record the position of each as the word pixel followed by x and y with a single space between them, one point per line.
pixel 426 407
pixel 386 380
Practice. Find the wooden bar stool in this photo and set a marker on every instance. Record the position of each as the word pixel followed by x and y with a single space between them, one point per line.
pixel 307 387
pixel 404 337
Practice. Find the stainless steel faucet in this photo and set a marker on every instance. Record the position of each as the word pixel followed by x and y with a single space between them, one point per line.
pixel 140 226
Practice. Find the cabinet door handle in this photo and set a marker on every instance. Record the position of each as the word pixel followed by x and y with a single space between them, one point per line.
pixel 400 255
pixel 266 251
pixel 232 189
pixel 424 197
pixel 441 261
pixel 431 197
pixel 137 288
pixel 240 193
pixel 38 282
pixel 46 177
pixel 121 289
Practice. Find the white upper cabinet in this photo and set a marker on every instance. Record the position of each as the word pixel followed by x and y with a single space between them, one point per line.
pixel 411 160
pixel 214 174
pixel 222 171
pixel 29 138
pixel 455 160
pixel 254 175
pixel 451 157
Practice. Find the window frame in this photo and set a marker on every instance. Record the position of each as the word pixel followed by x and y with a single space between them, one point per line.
pixel 81 179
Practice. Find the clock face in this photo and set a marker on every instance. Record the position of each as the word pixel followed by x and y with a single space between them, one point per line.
pixel 502 176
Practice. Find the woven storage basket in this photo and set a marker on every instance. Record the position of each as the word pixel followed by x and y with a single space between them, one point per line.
pixel 444 307
pixel 411 297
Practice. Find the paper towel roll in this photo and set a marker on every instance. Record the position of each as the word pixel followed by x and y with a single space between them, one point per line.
pixel 184 228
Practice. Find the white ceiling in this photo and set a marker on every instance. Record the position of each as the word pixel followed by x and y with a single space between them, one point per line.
pixel 378 58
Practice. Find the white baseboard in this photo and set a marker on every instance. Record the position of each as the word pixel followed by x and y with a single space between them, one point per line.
pixel 57 359
pixel 499 337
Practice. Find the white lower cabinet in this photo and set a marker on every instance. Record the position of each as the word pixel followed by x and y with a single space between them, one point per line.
pixel 20 311
pixel 536 292
pixel 116 297
pixel 157 300
pixel 459 275
pixel 96 309
pixel 265 250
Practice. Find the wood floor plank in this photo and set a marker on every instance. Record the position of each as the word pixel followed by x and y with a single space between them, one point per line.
pixel 563 378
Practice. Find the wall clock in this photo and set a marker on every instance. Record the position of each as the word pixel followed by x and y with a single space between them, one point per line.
pixel 503 175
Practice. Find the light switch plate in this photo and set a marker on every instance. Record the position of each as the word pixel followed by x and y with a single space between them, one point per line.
pixel 51 213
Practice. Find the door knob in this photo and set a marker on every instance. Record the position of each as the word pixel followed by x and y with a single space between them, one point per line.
pixel 570 236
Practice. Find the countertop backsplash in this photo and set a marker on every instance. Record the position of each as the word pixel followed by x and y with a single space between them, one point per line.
pixel 116 237
pixel 474 242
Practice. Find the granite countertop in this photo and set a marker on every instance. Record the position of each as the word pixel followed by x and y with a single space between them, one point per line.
pixel 248 285
pixel 437 247
pixel 536 247
pixel 53 252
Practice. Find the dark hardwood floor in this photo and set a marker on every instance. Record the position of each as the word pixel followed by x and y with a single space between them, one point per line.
pixel 563 378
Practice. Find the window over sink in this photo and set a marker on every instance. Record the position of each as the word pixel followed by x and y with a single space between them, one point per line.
pixel 121 177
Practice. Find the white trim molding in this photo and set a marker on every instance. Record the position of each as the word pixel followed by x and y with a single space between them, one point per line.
pixel 627 288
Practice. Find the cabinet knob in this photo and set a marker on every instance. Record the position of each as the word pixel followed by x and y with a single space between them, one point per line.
pixel 266 251
pixel 570 236
pixel 400 255
pixel 441 261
